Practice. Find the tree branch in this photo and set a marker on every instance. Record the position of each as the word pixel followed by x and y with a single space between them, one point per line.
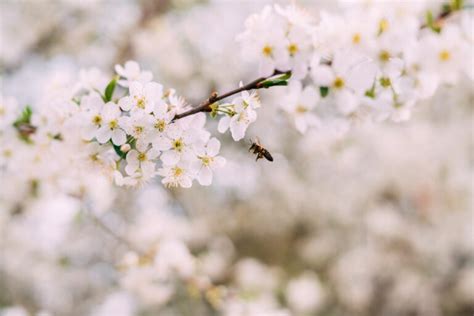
pixel 205 106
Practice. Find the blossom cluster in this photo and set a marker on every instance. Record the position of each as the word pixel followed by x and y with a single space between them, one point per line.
pixel 140 127
pixel 132 137
pixel 366 62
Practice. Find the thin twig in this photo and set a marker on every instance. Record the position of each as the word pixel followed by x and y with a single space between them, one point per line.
pixel 205 106
pixel 117 237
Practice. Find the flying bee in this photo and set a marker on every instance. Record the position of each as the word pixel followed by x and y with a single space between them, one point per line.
pixel 260 151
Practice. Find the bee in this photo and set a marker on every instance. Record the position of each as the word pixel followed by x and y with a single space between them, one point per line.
pixel 260 151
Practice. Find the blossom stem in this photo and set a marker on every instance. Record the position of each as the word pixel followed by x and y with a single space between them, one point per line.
pixel 205 106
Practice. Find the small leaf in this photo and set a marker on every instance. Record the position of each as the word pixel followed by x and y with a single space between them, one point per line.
pixel 431 23
pixel 25 117
pixel 323 91
pixel 109 90
pixel 280 80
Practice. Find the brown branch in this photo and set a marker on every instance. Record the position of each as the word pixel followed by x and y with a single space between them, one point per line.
pixel 205 106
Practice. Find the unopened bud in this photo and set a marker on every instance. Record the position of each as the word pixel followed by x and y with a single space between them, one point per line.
pixel 125 148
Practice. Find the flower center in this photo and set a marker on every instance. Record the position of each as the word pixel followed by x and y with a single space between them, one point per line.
pixel 160 125
pixel 338 83
pixel 138 129
pixel 444 55
pixel 383 26
pixel 292 49
pixel 267 51
pixel 385 82
pixel 177 171
pixel 206 160
pixel 301 109
pixel 356 38
pixel 178 145
pixel 97 119
pixel 384 56
pixel 113 124
pixel 141 157
pixel 140 102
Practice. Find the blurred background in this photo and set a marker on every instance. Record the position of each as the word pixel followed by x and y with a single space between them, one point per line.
pixel 376 221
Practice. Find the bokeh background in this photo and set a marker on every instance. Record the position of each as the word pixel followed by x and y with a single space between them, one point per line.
pixel 375 221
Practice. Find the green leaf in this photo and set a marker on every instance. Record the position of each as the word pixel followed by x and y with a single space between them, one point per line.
pixel 267 84
pixel 323 91
pixel 431 23
pixel 109 90
pixel 280 80
pixel 25 117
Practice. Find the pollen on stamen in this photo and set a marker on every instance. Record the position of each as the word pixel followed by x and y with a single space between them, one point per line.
pixel 177 171
pixel 178 145
pixel 444 55
pixel 206 161
pixel 97 120
pixel 301 109
pixel 383 26
pixel 356 38
pixel 384 56
pixel 293 49
pixel 267 51
pixel 141 157
pixel 338 83
pixel 113 124
pixel 160 125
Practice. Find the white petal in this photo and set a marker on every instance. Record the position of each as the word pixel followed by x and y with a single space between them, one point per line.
pixel 170 157
pixel 153 91
pixel 136 88
pixel 148 168
pixel 213 147
pixel 125 103
pixel 118 137
pixel 219 162
pixel 119 70
pixel 323 75
pixel 132 69
pixel 103 134
pixel 205 176
pixel 224 124
pixel 238 131
pixel 346 102
pixel 110 111
pixel 266 67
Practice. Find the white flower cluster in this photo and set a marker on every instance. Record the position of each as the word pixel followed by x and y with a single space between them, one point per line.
pixel 364 62
pixel 140 126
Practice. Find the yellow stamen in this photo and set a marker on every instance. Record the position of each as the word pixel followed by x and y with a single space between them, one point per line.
pixel 177 171
pixel 383 26
pixel 267 51
pixel 384 56
pixel 293 49
pixel 97 120
pixel 113 124
pixel 444 55
pixel 206 160
pixel 338 83
pixel 301 109
pixel 178 145
pixel 160 125
pixel 141 157
pixel 356 38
